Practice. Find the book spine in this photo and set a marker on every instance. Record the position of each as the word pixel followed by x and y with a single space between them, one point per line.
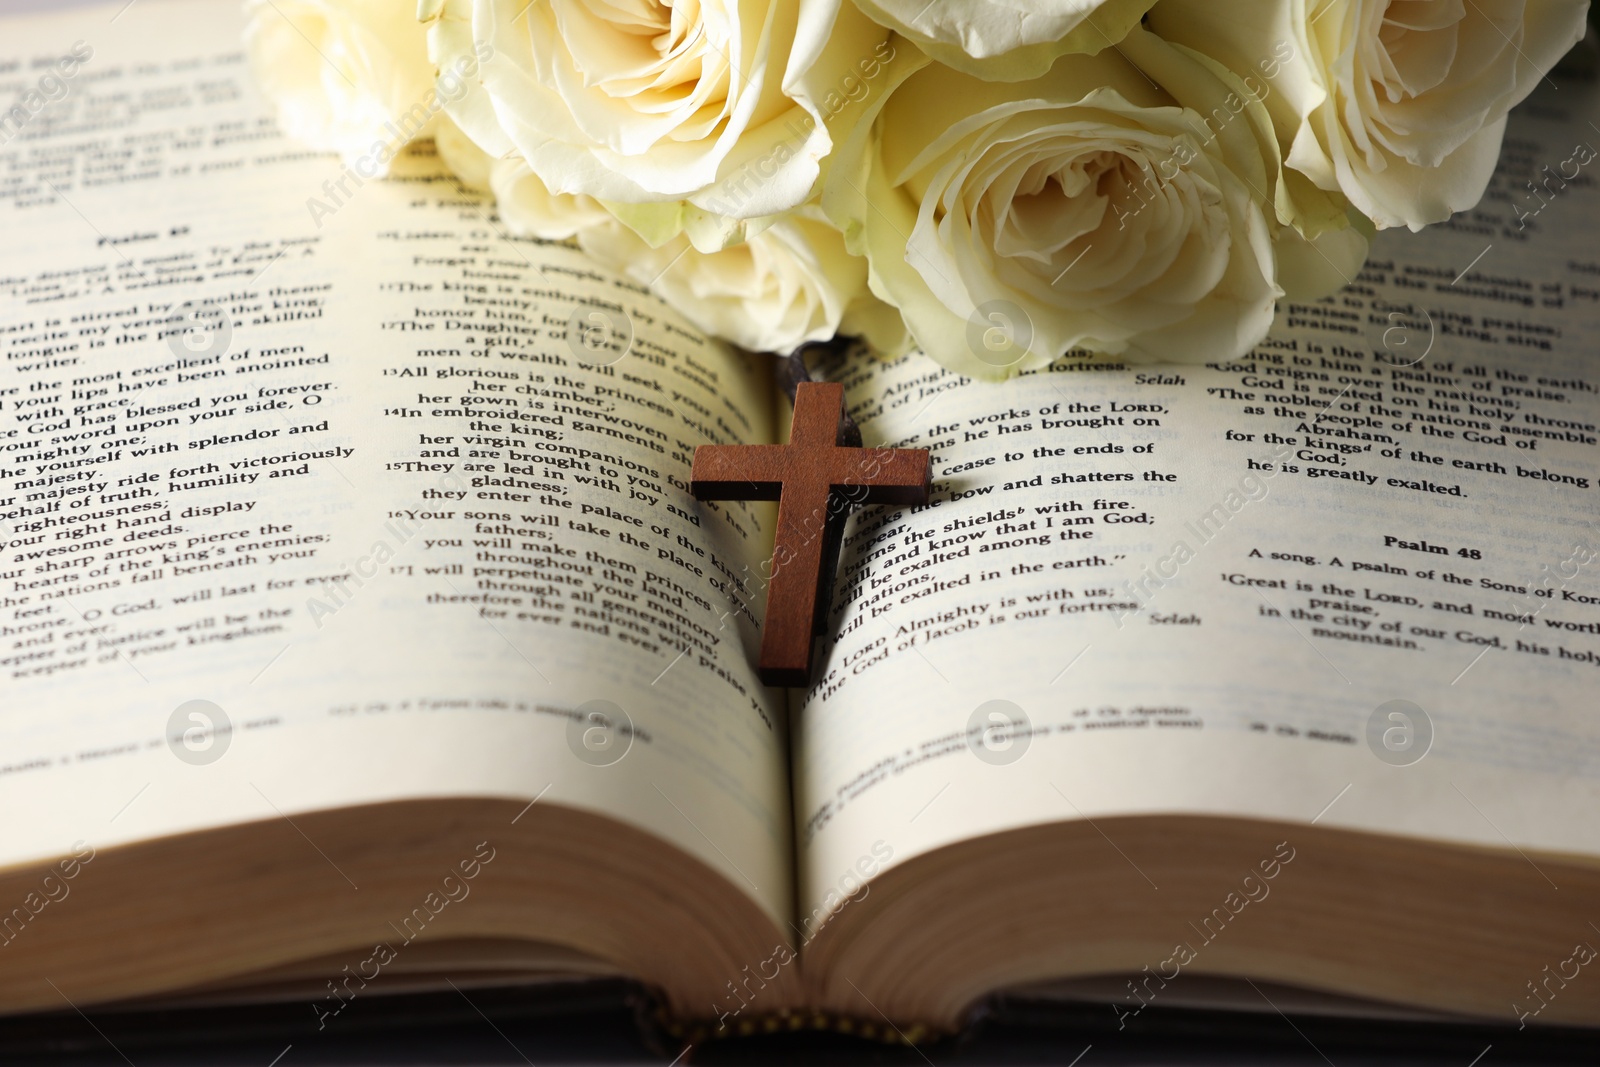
pixel 695 1032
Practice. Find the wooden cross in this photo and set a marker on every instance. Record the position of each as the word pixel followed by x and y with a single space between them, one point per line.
pixel 816 480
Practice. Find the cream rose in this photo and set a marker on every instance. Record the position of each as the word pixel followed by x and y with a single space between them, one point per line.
pixel 1007 40
pixel 471 165
pixel 530 209
pixel 1088 208
pixel 1398 104
pixel 343 75
pixel 792 282
pixel 725 104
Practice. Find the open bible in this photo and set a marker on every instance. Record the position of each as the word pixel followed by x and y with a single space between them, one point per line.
pixel 359 633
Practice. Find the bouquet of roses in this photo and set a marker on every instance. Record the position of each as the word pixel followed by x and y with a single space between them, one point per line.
pixel 993 181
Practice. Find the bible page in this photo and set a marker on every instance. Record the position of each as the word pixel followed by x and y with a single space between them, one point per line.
pixel 1350 578
pixel 320 490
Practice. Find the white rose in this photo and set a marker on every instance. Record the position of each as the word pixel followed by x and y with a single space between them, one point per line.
pixel 1007 40
pixel 1011 222
pixel 469 163
pixel 725 104
pixel 530 209
pixel 1400 105
pixel 344 75
pixel 791 282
